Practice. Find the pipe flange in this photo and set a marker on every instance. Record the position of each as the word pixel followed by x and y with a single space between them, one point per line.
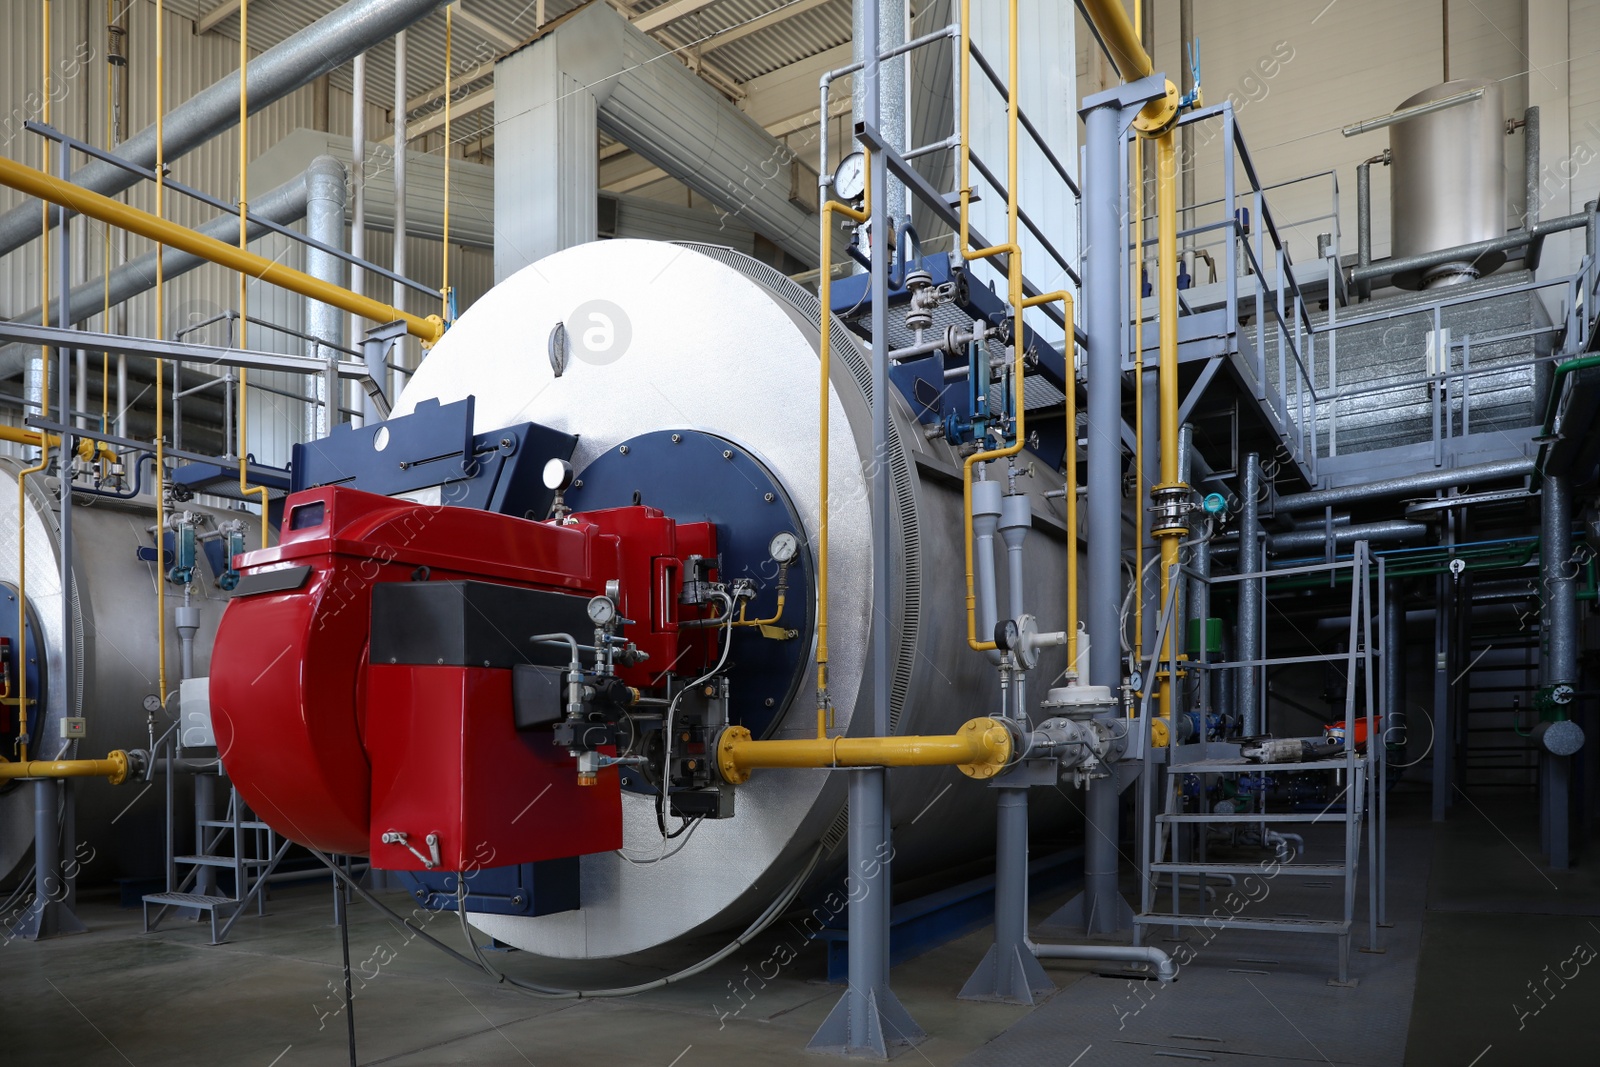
pixel 1159 114
pixel 727 766
pixel 1170 506
pixel 994 737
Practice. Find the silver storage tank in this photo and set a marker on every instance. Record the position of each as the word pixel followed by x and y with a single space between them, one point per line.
pixel 1448 184
pixel 724 344
pixel 114 626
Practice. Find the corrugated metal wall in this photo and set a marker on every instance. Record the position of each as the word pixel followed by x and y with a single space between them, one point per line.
pixel 192 63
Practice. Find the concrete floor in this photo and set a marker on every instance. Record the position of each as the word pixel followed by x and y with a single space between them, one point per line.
pixel 1471 894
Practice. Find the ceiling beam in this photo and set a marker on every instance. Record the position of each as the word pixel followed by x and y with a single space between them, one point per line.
pixel 756 25
pixel 221 13
pixel 484 28
pixel 467 105
pixel 658 17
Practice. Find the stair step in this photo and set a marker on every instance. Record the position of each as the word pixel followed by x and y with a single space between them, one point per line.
pixel 228 824
pixel 219 861
pixel 1270 816
pixel 189 900
pixel 1302 869
pixel 1247 922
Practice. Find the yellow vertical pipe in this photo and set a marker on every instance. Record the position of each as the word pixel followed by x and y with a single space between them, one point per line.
pixel 1013 253
pixel 825 294
pixel 1167 265
pixel 444 287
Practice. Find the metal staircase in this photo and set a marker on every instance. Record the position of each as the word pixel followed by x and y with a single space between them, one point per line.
pixel 237 842
pixel 1355 777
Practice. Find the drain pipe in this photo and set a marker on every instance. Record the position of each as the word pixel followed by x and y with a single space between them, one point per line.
pixel 325 201
pixel 297 60
pixel 1165 969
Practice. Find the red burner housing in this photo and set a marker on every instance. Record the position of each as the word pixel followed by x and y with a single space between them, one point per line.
pixel 334 752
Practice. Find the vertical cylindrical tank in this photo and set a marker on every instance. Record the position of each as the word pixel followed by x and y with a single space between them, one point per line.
pixel 1448 181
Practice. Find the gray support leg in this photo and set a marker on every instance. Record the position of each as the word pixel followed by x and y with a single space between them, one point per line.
pixel 1009 972
pixel 49 915
pixel 1441 702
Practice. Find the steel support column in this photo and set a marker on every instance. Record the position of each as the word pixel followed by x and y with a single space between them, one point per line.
pixel 869 1019
pixel 1100 909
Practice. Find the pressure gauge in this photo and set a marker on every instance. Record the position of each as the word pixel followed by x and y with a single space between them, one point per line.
pixel 557 475
pixel 602 611
pixel 1006 634
pixel 784 547
pixel 850 179
pixel 152 703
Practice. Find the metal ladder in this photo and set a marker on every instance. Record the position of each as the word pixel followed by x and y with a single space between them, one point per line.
pixel 237 842
pixel 1162 854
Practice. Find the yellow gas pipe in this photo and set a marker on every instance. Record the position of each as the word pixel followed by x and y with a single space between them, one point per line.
pixel 1167 533
pixel 1070 349
pixel 87 450
pixel 1156 121
pixel 114 768
pixel 825 294
pixel 1013 253
pixel 981 748
pixel 27 180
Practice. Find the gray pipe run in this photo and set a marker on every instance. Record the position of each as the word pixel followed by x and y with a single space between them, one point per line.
pixel 1101 908
pixel 325 201
pixel 667 114
pixel 1533 237
pixel 1530 166
pixel 284 205
pixel 1499 470
pixel 297 60
pixel 1252 557
pixel 1557 575
pixel 1314 538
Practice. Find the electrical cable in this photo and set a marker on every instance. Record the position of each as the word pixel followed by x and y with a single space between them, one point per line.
pixel 778 906
pixel 666 727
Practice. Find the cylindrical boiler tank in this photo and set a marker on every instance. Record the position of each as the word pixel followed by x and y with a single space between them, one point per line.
pixel 1448 182
pixel 702 338
pixel 114 631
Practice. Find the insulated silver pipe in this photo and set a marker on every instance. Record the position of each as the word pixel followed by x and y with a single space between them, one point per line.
pixel 297 60
pixel 358 192
pixel 325 202
pixel 1252 557
pixel 1557 572
pixel 1482 473
pixel 401 296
